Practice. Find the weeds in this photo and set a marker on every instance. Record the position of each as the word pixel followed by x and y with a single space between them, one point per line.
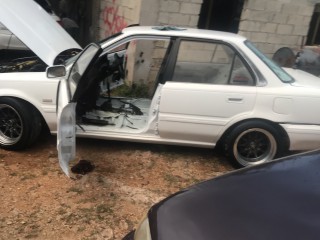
pixel 102 208
pixel 28 177
pixel 136 90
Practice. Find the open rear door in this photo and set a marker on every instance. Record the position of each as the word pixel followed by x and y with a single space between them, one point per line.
pixel 69 91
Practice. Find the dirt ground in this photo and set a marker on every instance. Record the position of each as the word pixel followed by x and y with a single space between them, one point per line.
pixel 39 202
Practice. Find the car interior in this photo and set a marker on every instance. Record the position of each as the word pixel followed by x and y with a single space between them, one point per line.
pixel 122 98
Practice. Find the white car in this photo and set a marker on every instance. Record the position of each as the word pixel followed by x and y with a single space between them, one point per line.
pixel 9 41
pixel 163 85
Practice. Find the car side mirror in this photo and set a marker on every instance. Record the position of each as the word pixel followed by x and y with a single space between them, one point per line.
pixel 56 71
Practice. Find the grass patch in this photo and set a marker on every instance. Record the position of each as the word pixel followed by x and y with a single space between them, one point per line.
pixel 171 178
pixel 136 90
pixel 102 208
pixel 28 177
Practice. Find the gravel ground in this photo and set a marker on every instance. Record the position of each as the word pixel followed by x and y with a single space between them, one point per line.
pixel 39 202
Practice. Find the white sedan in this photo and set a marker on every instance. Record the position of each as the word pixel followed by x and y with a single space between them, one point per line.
pixel 165 85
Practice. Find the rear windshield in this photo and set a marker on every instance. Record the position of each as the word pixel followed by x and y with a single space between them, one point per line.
pixel 281 74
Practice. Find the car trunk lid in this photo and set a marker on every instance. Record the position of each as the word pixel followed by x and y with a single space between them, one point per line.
pixel 303 79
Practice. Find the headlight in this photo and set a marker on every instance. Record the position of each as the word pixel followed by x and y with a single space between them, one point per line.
pixel 143 230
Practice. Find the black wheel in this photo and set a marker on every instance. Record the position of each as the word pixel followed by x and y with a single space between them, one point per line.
pixel 252 143
pixel 20 124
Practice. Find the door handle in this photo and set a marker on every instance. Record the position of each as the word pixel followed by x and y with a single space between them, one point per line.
pixel 235 99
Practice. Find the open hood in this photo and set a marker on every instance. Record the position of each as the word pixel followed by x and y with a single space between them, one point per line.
pixel 36 28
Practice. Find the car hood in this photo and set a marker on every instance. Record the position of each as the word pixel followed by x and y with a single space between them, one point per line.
pixel 303 79
pixel 36 28
pixel 277 200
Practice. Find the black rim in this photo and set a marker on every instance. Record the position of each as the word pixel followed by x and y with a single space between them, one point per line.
pixel 254 146
pixel 10 125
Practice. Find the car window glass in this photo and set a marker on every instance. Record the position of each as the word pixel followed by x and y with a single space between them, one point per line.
pixel 80 66
pixel 240 74
pixel 210 63
pixel 281 74
pixel 2 27
pixel 16 56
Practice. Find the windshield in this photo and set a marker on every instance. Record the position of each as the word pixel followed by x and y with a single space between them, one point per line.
pixel 281 74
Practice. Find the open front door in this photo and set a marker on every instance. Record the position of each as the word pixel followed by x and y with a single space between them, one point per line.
pixel 69 91
pixel 66 142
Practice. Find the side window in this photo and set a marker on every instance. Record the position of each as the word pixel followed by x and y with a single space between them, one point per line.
pixel 240 74
pixel 210 63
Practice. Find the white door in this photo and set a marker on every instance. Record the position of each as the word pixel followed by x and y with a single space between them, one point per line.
pixel 210 85
pixel 68 91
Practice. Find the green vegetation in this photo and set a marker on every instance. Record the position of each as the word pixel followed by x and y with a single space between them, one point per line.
pixel 136 90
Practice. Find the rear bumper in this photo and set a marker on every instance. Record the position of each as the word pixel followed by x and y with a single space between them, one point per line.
pixel 303 137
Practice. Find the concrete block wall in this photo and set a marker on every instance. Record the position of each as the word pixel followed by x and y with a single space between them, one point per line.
pixel 276 23
pixel 116 15
pixel 179 12
pixel 269 24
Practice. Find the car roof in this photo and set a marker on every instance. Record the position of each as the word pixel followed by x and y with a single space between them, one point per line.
pixel 183 32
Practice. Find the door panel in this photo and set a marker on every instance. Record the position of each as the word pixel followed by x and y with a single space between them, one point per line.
pixel 198 112
pixel 210 86
pixel 69 89
pixel 66 135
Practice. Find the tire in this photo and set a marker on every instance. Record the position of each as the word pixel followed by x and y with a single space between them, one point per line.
pixel 20 124
pixel 253 142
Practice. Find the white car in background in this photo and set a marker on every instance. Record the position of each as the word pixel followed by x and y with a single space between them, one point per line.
pixel 9 41
pixel 163 85
pixel 27 96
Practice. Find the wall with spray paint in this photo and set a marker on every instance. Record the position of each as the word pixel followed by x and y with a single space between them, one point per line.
pixel 118 14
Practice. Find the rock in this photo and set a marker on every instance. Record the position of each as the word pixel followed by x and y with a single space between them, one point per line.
pixel 123 225
pixel 107 233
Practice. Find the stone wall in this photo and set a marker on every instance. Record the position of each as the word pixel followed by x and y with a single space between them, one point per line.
pixel 276 23
pixel 117 14
pixel 269 24
pixel 179 13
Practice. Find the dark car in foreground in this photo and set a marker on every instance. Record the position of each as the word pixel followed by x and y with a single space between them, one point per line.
pixel 276 200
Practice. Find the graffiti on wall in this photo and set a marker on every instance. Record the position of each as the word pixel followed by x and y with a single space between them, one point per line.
pixel 112 20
